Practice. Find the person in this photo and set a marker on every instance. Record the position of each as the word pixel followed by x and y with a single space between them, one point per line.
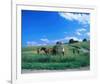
pixel 59 48
pixel 63 51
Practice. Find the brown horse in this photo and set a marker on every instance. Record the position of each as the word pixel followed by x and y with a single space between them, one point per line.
pixel 57 49
pixel 46 50
pixel 42 49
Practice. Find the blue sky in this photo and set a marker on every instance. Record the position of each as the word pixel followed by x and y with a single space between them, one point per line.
pixel 47 27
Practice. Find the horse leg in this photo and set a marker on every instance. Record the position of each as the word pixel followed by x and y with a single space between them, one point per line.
pixel 63 53
pixel 38 51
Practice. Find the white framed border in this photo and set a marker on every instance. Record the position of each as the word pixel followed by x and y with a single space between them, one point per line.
pixel 16 44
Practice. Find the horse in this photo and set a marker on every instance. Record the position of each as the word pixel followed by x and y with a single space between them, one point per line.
pixel 45 50
pixel 56 49
pixel 48 50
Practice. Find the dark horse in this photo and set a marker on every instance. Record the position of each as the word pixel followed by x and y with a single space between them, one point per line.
pixel 47 50
pixel 44 49
pixel 57 49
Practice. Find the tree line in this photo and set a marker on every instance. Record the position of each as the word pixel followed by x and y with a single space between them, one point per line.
pixel 76 41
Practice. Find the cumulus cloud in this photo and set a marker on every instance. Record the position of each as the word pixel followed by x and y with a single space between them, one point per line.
pixel 44 44
pixel 44 40
pixel 67 38
pixel 80 31
pixel 49 42
pixel 31 43
pixel 80 17
pixel 54 41
pixel 88 33
pixel 72 37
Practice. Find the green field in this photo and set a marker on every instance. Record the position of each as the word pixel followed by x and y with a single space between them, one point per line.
pixel 34 61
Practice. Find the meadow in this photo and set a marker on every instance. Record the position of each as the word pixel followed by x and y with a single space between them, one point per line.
pixel 32 60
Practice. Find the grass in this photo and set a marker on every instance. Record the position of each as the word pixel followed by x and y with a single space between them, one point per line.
pixel 85 45
pixel 51 66
pixel 31 60
pixel 54 62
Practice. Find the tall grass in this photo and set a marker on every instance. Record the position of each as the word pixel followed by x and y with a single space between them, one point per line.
pixel 31 60
pixel 54 62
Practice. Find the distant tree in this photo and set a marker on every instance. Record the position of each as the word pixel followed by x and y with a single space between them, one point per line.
pixel 76 41
pixel 71 41
pixel 84 40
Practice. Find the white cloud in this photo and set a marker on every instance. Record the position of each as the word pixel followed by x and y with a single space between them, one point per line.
pixel 65 39
pixel 81 18
pixel 72 37
pixel 44 44
pixel 31 43
pixel 88 33
pixel 54 41
pixel 45 40
pixel 80 31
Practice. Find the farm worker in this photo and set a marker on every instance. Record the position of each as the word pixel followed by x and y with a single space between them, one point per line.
pixel 60 48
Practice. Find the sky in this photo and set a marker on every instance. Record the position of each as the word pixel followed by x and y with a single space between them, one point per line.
pixel 48 27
